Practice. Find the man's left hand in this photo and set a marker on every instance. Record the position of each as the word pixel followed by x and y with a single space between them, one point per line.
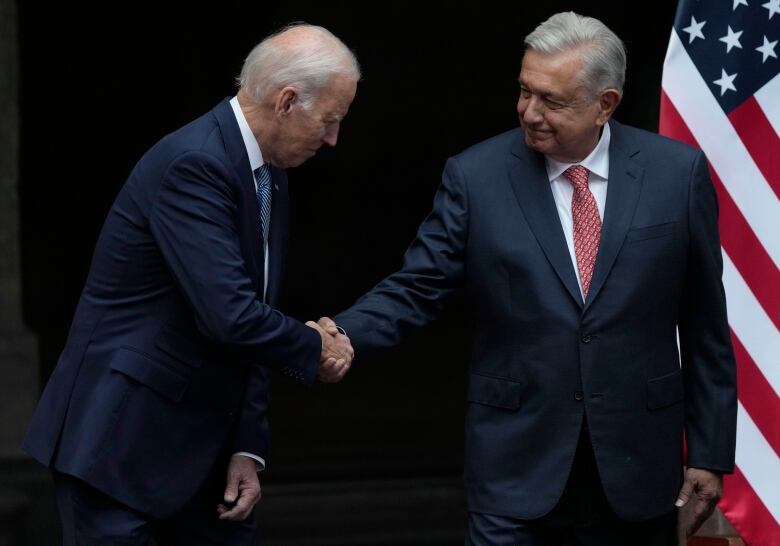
pixel 705 488
pixel 242 491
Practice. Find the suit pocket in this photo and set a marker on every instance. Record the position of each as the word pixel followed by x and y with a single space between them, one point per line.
pixel 147 371
pixel 494 391
pixel 665 390
pixel 651 232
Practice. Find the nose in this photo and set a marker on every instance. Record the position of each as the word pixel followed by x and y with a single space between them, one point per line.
pixel 530 110
pixel 331 135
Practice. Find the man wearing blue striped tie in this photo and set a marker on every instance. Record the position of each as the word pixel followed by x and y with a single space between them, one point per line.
pixel 154 420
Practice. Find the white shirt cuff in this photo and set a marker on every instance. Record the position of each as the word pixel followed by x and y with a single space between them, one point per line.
pixel 259 461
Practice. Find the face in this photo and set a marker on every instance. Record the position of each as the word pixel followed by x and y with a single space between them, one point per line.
pixel 558 115
pixel 301 132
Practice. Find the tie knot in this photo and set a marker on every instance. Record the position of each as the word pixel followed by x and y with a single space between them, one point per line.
pixel 578 176
pixel 263 175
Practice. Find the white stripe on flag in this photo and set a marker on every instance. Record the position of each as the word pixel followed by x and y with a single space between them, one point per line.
pixel 752 325
pixel 758 462
pixel 767 98
pixel 706 120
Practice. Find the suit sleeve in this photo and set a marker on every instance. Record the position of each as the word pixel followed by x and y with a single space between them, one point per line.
pixel 252 431
pixel 708 367
pixel 193 222
pixel 433 268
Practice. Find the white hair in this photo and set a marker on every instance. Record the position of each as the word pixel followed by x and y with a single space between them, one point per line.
pixel 603 53
pixel 303 56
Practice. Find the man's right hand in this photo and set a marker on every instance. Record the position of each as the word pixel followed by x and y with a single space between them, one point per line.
pixel 337 354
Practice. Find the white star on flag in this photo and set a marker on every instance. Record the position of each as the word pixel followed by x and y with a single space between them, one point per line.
pixel 726 82
pixel 773 6
pixel 767 50
pixel 732 39
pixel 694 29
pixel 737 3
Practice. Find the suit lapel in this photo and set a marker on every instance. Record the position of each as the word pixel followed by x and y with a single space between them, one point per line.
pixel 250 216
pixel 625 184
pixel 531 186
pixel 278 234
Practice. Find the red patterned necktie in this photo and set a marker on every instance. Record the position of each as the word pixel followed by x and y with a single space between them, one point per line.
pixel 587 224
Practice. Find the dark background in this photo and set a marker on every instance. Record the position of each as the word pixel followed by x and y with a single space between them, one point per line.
pixel 100 84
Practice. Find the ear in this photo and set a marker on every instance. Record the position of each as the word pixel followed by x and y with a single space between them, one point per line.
pixel 285 101
pixel 609 99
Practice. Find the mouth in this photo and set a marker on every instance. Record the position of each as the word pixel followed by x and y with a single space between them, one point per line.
pixel 536 133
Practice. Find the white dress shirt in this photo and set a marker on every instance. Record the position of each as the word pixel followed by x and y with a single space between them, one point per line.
pixel 597 163
pixel 255 161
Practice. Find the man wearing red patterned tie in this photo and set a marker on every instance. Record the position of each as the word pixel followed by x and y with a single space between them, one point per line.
pixel 585 246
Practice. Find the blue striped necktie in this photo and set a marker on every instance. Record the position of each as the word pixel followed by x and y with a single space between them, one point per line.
pixel 263 177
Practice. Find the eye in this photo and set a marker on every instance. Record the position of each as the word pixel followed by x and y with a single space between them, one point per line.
pixel 525 93
pixel 553 105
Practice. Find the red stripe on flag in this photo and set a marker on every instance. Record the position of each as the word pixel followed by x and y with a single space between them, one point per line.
pixel 747 513
pixel 757 396
pixel 736 235
pixel 760 138
pixel 747 253
pixel 671 123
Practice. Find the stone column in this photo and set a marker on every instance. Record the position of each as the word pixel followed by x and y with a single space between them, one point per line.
pixel 18 349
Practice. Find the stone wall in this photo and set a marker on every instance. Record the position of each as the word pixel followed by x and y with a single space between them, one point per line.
pixel 18 358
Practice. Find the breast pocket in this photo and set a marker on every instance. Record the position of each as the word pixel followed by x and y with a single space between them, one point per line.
pixel 651 232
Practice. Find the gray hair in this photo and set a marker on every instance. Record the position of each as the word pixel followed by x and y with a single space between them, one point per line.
pixel 604 55
pixel 299 55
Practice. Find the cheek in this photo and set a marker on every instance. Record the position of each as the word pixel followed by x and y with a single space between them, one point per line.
pixel 313 133
pixel 561 124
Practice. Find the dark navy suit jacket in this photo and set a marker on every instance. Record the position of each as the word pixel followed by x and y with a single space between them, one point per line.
pixel 164 370
pixel 542 358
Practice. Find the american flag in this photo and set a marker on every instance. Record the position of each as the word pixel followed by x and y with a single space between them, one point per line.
pixel 721 93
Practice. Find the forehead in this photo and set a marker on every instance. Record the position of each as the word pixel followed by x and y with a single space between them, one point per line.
pixel 559 73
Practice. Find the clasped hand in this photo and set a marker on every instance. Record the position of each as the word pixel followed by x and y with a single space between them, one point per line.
pixel 337 352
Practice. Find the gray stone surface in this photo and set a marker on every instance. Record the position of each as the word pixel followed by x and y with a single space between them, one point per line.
pixel 18 360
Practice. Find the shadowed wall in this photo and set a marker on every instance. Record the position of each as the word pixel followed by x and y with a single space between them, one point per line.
pixel 101 84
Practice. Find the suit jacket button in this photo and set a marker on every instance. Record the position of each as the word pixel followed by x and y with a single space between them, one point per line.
pixel 586 338
pixel 578 396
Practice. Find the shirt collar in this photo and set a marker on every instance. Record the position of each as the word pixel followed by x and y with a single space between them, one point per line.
pixel 597 161
pixel 250 142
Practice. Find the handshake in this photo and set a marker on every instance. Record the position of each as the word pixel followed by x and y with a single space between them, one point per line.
pixel 337 352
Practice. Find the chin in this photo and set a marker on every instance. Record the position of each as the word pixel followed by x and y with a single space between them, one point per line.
pixel 535 145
